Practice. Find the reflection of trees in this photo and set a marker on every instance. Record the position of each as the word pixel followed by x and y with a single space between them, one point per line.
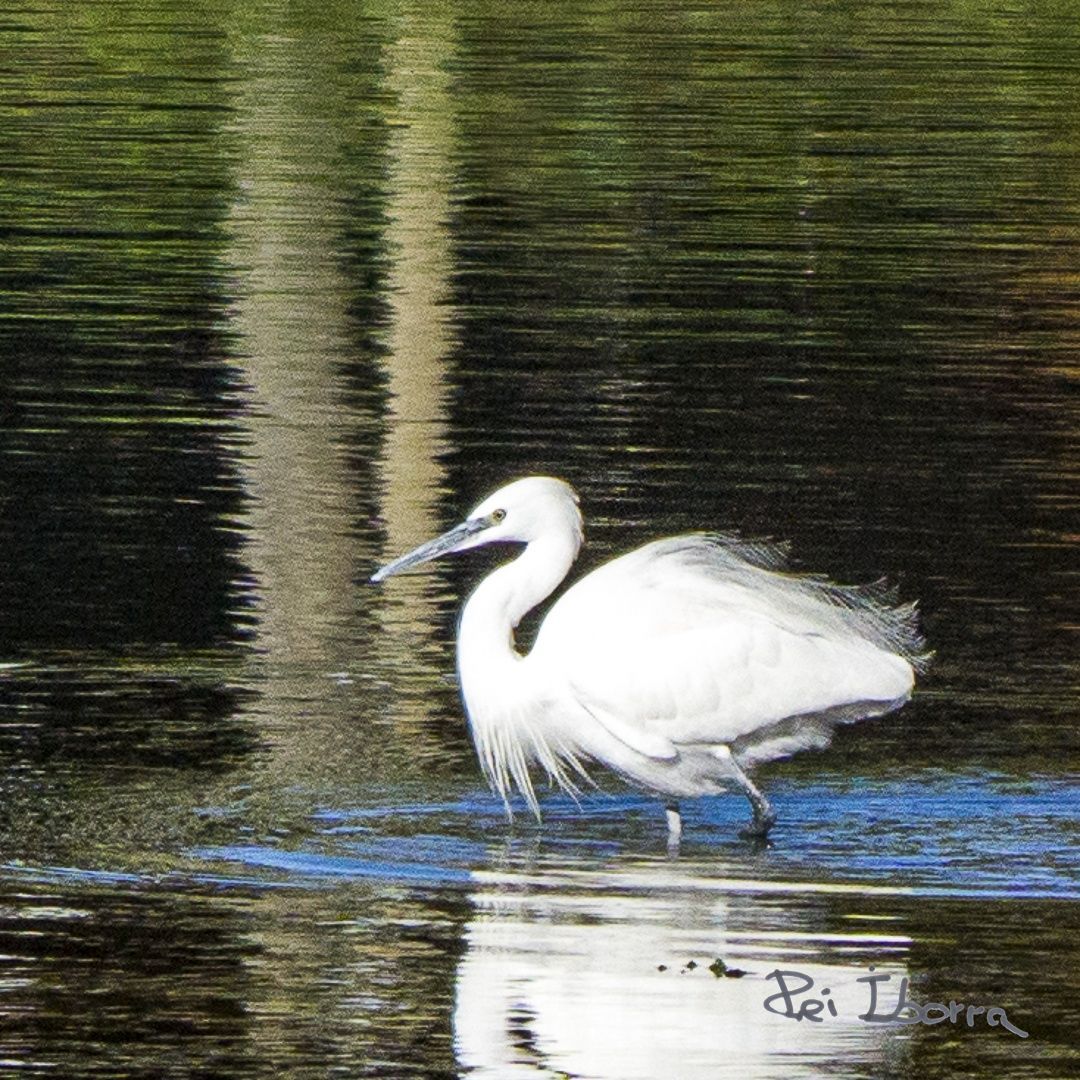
pixel 302 168
pixel 809 271
pixel 366 990
pixel 419 336
pixel 114 399
pixel 291 323
pixel 147 982
pixel 310 186
pixel 418 339
pixel 167 983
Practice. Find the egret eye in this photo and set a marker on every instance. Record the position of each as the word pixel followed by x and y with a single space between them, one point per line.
pixel 603 682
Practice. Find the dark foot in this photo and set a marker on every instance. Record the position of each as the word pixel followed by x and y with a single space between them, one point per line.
pixel 759 828
pixel 764 818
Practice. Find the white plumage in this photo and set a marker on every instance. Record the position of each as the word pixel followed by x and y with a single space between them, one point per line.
pixel 678 666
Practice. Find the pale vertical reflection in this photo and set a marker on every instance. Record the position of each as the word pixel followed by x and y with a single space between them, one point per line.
pixel 290 316
pixel 421 330
pixel 293 324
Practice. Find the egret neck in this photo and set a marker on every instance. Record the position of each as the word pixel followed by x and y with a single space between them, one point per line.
pixel 680 665
pixel 503 598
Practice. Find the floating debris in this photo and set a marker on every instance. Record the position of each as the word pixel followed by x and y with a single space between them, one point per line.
pixel 722 971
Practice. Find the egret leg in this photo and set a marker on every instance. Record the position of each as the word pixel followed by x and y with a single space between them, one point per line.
pixel 674 826
pixel 764 816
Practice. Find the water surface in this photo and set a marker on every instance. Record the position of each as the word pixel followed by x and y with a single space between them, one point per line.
pixel 286 288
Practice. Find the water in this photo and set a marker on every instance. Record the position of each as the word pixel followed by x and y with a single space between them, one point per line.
pixel 285 288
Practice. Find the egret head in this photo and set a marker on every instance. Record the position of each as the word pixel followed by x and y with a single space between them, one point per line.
pixel 521 512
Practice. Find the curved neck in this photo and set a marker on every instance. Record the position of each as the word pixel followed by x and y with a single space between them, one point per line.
pixel 501 600
pixel 494 676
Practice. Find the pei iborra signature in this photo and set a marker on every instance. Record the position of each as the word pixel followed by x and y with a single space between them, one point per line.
pixel 794 1001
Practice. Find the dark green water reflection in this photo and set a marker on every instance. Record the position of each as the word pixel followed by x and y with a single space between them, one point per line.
pixel 285 287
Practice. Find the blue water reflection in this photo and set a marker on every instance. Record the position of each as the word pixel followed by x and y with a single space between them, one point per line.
pixel 944 836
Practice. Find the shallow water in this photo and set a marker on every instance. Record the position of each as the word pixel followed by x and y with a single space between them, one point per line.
pixel 284 290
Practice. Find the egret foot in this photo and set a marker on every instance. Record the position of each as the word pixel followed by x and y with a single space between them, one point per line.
pixel 674 827
pixel 759 828
pixel 764 816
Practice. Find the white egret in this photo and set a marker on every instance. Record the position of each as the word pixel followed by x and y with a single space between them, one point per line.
pixel 679 666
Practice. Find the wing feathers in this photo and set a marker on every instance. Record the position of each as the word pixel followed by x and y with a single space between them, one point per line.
pixel 705 639
pixel 647 743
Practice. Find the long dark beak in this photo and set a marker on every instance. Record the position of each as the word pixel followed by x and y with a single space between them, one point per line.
pixel 441 545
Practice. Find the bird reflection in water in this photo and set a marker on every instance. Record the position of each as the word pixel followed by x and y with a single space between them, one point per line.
pixel 611 974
